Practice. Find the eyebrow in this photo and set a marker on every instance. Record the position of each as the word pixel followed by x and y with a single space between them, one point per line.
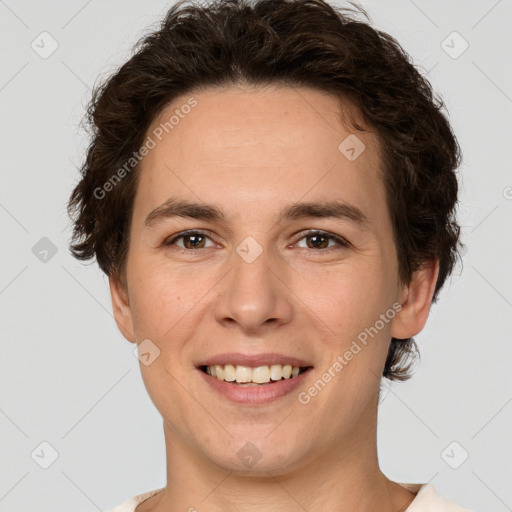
pixel 174 207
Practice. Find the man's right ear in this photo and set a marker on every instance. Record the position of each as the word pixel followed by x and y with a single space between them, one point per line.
pixel 121 308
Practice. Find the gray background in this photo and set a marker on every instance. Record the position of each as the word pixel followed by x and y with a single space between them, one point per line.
pixel 69 379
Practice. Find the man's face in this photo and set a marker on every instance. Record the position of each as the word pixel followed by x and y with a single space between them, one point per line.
pixel 250 284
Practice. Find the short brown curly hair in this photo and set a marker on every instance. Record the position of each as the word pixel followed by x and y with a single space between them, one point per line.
pixel 291 42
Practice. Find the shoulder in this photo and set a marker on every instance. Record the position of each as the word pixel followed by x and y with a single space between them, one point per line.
pixel 428 500
pixel 130 504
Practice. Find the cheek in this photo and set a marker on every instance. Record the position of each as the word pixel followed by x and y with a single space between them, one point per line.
pixel 163 300
pixel 346 297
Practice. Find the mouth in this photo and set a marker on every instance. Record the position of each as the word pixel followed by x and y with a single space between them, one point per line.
pixel 247 376
pixel 253 379
pixel 254 386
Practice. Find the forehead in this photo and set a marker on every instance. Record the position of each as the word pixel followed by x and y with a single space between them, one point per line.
pixel 261 146
pixel 274 117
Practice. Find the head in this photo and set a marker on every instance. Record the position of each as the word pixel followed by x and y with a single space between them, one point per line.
pixel 248 110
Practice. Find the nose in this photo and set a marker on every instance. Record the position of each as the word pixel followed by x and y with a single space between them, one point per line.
pixel 254 295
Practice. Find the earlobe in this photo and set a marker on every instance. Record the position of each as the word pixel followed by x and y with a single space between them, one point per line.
pixel 416 302
pixel 121 308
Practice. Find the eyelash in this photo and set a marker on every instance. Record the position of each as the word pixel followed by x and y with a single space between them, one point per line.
pixel 341 241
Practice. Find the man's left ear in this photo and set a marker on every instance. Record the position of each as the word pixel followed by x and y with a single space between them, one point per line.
pixel 416 298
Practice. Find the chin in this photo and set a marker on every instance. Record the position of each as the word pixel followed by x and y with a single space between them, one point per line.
pixel 258 456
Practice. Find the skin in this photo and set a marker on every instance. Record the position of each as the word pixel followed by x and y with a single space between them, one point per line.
pixel 251 151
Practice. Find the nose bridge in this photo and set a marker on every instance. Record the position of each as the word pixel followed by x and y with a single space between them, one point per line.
pixel 252 294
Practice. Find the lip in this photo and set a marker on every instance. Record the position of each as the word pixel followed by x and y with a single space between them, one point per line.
pixel 253 360
pixel 255 395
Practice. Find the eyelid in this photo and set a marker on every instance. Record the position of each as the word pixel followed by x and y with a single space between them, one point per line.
pixel 343 242
pixel 171 239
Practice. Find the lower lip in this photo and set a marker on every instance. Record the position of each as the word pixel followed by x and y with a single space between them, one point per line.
pixel 262 394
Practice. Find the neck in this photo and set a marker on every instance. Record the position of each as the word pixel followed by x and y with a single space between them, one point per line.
pixel 344 479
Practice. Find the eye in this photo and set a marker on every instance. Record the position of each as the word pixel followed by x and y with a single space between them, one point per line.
pixel 320 240
pixel 191 240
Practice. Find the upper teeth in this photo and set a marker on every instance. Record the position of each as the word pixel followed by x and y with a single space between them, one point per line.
pixel 259 375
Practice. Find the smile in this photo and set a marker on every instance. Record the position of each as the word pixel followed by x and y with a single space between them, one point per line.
pixel 254 393
pixel 253 376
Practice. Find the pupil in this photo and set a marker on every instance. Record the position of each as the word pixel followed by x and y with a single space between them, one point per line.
pixel 192 237
pixel 317 237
